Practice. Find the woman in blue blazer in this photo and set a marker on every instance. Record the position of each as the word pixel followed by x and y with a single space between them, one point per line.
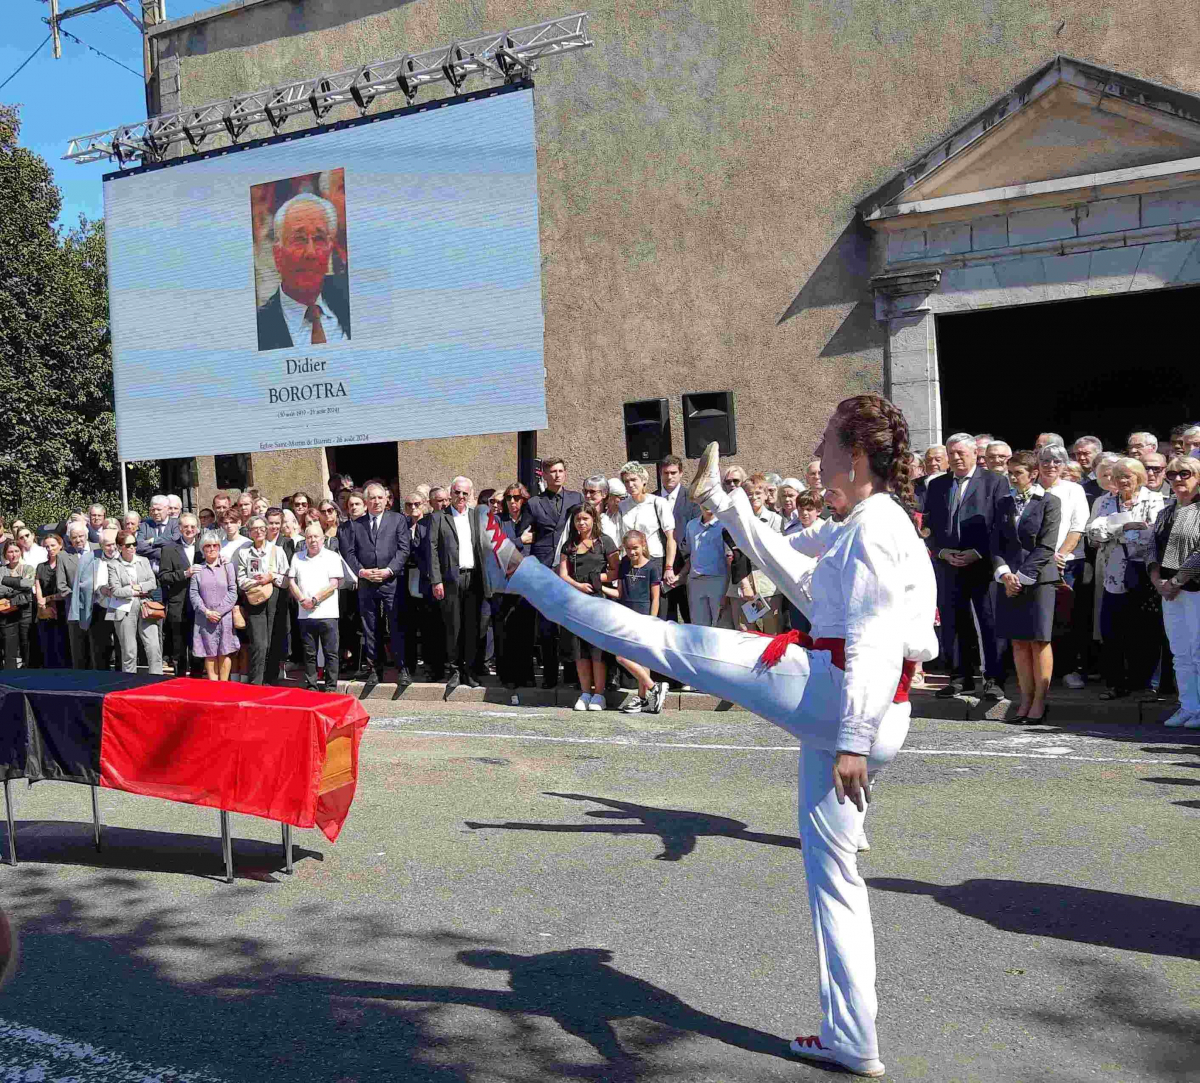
pixel 1024 537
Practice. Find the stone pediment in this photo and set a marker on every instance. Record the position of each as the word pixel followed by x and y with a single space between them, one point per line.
pixel 1069 119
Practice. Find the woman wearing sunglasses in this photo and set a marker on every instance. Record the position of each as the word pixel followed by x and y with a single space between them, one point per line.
pixel 125 580
pixel 1175 573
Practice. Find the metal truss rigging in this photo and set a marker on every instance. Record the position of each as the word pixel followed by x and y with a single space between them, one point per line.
pixel 507 56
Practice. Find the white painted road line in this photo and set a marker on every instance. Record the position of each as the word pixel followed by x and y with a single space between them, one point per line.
pixel 631 742
pixel 27 1053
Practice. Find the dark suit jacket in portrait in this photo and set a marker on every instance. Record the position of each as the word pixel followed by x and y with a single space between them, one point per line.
pixel 1027 545
pixel 547 524
pixel 273 331
pixel 978 511
pixel 388 549
pixel 440 540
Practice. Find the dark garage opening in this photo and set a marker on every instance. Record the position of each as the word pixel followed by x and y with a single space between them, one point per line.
pixel 1103 366
pixel 363 461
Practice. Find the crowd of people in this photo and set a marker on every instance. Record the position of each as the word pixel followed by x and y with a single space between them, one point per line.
pixel 1058 560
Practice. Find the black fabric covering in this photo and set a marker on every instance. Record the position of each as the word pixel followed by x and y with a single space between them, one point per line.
pixel 50 721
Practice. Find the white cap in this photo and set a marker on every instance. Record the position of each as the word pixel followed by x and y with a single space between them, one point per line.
pixel 616 487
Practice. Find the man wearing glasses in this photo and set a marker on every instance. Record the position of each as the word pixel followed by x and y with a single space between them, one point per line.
pixel 31 553
pixel 376 550
pixel 1156 467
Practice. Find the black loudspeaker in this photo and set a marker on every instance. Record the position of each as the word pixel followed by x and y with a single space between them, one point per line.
pixel 709 416
pixel 647 430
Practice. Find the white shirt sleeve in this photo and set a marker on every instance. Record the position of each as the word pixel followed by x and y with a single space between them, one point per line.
pixel 814 540
pixel 873 583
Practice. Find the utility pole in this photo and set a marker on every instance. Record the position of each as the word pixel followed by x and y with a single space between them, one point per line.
pixel 54 29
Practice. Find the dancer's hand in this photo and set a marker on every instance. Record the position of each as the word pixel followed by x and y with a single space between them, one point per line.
pixel 850 779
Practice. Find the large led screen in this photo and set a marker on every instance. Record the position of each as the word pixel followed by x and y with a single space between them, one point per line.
pixel 379 281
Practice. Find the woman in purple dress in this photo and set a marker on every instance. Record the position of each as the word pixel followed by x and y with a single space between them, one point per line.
pixel 213 592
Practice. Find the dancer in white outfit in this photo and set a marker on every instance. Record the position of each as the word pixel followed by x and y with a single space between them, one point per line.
pixel 843 693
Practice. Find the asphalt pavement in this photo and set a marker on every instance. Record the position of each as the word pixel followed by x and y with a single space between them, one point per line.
pixel 537 894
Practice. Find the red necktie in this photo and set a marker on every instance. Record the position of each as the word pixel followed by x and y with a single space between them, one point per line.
pixel 313 315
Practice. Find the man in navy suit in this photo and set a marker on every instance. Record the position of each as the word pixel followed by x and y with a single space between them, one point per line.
pixel 376 549
pixel 454 562
pixel 545 517
pixel 310 307
pixel 961 507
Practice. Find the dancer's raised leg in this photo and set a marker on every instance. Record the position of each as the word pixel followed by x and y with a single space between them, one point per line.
pixel 800 693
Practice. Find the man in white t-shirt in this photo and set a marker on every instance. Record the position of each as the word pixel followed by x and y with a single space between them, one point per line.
pixel 313 579
pixel 651 515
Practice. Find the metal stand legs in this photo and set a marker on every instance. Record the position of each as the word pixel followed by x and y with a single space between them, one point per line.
pixel 287 849
pixel 96 819
pixel 227 847
pixel 12 832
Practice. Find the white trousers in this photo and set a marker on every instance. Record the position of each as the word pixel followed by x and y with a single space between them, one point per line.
pixel 801 694
pixel 1181 618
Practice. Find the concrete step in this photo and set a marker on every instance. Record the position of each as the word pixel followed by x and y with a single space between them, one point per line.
pixel 1066 704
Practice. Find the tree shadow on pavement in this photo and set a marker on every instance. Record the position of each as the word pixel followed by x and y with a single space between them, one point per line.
pixel 332 993
pixel 1085 915
pixel 678 829
pixel 1118 1012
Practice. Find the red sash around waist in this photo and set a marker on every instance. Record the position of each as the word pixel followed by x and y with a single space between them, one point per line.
pixel 779 644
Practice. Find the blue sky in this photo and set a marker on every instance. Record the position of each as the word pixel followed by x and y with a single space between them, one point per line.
pixel 78 94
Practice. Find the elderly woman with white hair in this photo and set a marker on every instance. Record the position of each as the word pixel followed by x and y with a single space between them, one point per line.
pixel 213 594
pixel 652 515
pixel 1122 527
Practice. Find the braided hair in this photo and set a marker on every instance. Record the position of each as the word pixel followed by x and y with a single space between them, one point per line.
pixel 873 425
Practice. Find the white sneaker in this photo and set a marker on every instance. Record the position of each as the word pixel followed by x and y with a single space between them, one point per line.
pixel 583 702
pixel 634 706
pixel 597 702
pixel 1179 718
pixel 1193 722
pixel 810 1048
pixel 864 847
pixel 706 489
pixel 1074 680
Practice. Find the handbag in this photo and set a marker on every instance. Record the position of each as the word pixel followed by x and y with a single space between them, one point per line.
pixel 1136 577
pixel 259 593
pixel 7 605
pixel 239 618
pixel 47 612
pixel 152 610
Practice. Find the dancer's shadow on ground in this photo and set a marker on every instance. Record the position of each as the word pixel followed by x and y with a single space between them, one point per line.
pixel 1085 915
pixel 580 992
pixel 677 828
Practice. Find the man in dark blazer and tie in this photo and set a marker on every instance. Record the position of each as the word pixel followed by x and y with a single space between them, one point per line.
pixel 454 561
pixel 961 509
pixel 543 520
pixel 376 550
pixel 176 560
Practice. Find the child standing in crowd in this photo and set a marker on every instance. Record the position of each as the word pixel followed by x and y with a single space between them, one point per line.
pixel 639 588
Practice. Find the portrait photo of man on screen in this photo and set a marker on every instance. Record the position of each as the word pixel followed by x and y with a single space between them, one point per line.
pixel 301 260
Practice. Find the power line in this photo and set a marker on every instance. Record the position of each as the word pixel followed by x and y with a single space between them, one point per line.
pixel 77 41
pixel 26 61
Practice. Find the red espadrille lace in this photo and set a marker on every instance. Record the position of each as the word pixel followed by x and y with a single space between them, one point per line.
pixel 809 1042
pixel 493 528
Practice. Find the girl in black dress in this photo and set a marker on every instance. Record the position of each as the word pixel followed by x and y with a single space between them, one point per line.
pixel 589 563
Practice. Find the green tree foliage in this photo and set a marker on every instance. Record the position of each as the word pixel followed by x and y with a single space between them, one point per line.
pixel 58 449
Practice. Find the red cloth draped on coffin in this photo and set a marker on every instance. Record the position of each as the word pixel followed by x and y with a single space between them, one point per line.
pixel 287 754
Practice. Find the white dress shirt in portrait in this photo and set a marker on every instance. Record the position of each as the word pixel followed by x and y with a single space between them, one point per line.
pixel 295 316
